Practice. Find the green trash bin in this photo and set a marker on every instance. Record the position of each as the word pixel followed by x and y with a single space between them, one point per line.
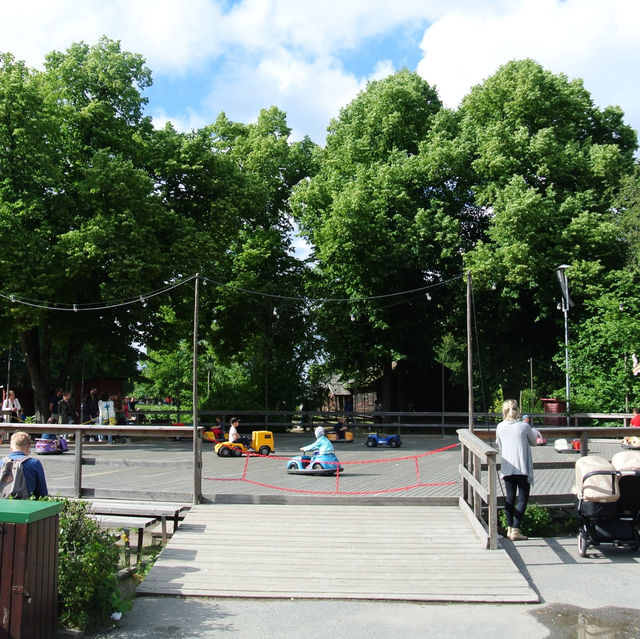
pixel 29 568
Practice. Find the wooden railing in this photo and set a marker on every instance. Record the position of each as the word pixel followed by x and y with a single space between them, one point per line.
pixel 475 455
pixel 79 491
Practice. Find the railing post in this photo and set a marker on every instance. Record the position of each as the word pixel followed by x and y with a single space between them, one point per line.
pixel 77 477
pixel 493 501
pixel 463 463
pixel 477 475
pixel 584 442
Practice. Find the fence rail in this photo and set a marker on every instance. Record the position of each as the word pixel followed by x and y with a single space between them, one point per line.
pixel 128 431
pixel 476 455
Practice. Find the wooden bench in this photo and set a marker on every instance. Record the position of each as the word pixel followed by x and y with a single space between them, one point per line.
pixel 115 522
pixel 161 511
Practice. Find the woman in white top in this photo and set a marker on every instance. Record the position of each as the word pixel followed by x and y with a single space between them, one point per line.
pixel 11 403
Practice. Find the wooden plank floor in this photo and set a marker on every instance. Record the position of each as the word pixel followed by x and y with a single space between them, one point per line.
pixel 406 553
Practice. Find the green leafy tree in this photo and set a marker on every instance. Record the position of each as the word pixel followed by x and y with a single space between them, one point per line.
pixel 89 220
pixel 383 215
pixel 547 166
pixel 265 336
pixel 231 183
pixel 606 335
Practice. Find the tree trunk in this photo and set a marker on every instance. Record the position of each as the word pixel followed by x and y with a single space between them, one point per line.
pixel 36 357
pixel 36 349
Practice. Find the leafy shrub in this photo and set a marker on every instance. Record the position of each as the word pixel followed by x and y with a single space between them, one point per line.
pixel 537 521
pixel 88 589
pixel 544 522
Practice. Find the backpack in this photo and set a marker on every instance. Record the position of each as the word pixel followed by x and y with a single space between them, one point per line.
pixel 12 481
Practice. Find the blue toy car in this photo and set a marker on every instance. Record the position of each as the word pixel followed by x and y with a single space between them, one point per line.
pixel 314 465
pixel 374 440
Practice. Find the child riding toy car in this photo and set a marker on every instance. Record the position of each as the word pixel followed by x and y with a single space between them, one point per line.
pixel 323 461
pixel 261 443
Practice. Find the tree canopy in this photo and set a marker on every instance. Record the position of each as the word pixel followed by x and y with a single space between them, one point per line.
pixel 546 167
pixel 525 175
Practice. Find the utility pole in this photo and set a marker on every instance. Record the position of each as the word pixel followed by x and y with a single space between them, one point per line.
pixel 197 444
pixel 469 353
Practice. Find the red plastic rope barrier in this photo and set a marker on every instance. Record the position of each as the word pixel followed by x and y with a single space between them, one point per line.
pixel 337 491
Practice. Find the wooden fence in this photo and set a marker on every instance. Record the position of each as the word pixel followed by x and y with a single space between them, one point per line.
pixel 125 431
pixel 477 455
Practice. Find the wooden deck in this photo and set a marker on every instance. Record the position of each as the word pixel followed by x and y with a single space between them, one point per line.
pixel 407 553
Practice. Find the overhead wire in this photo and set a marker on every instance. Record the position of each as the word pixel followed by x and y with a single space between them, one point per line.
pixel 93 306
pixel 142 297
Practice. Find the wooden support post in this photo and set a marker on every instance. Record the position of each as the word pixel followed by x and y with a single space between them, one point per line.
pixel 77 477
pixel 493 501
pixel 197 442
pixel 477 474
pixel 469 354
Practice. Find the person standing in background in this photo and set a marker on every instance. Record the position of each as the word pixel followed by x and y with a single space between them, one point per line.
pixel 11 403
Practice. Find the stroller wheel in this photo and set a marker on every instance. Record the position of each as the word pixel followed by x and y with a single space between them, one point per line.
pixel 582 543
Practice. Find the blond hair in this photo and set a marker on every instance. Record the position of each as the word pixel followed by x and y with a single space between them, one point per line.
pixel 20 440
pixel 510 410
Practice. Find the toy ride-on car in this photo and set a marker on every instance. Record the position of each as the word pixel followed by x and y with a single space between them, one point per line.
pixel 332 436
pixel 567 446
pixel 261 443
pixel 51 446
pixel 374 440
pixel 215 435
pixel 314 464
pixel 632 443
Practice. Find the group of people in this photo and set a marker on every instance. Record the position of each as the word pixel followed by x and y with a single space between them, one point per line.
pixel 103 408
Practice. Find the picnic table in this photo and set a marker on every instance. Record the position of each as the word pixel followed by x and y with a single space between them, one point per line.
pixel 115 522
pixel 159 511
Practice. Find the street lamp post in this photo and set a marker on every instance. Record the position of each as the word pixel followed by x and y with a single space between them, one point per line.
pixel 565 303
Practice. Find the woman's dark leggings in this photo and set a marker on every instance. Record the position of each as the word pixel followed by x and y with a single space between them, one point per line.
pixel 513 484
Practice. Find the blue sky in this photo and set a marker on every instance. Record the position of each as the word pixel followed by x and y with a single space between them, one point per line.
pixel 310 58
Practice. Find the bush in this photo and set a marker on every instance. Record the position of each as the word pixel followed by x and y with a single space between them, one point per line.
pixel 545 522
pixel 537 521
pixel 88 589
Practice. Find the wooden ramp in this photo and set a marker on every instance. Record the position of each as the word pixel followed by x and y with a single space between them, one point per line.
pixel 405 553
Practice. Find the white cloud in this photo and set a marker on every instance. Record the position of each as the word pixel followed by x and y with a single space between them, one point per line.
pixel 596 40
pixel 255 53
pixel 176 34
pixel 192 121
pixel 310 92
